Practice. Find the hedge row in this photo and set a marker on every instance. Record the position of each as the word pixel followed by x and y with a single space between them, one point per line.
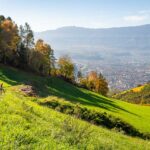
pixel 94 117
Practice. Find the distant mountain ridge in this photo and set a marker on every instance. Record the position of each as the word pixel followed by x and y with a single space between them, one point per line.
pixel 70 29
pixel 66 28
pixel 100 40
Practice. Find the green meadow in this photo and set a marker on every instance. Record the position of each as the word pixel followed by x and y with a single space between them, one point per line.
pixel 24 124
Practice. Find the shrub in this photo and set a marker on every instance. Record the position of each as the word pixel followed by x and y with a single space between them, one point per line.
pixel 97 118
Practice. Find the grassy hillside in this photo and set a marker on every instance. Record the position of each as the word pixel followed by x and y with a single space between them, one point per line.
pixel 24 124
pixel 136 115
pixel 138 95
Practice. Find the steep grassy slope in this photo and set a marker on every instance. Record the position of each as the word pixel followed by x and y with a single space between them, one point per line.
pixel 26 125
pixel 137 116
pixel 138 95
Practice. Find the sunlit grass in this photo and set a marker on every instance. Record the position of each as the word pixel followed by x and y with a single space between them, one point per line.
pixel 26 125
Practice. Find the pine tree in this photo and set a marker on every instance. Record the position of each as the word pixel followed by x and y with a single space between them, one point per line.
pixel 26 44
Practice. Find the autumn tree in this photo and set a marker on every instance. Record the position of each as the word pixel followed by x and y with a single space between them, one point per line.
pixel 66 67
pixel 95 82
pixel 2 18
pixel 9 41
pixel 17 48
pixel 102 85
pixel 42 58
pixel 92 80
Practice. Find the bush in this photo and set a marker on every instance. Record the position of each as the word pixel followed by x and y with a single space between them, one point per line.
pixel 97 118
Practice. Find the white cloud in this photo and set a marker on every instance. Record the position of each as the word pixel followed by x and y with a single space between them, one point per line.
pixel 135 18
pixel 140 16
pixel 144 12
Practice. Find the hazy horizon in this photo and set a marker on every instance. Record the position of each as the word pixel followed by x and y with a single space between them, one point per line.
pixel 49 15
pixel 61 27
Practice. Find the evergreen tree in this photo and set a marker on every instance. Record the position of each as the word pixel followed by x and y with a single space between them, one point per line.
pixel 26 44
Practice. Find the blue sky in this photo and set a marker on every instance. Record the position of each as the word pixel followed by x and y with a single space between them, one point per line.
pixel 51 14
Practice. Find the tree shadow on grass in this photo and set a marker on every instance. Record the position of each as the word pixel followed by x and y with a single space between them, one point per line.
pixel 10 76
pixel 76 95
pixel 47 86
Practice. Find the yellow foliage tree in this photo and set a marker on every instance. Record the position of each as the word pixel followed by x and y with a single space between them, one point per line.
pixel 9 41
pixel 41 58
pixel 96 82
pixel 66 67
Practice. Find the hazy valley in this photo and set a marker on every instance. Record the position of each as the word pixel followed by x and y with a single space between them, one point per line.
pixel 121 54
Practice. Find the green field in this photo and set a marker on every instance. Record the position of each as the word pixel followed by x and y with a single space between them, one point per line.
pixel 26 125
